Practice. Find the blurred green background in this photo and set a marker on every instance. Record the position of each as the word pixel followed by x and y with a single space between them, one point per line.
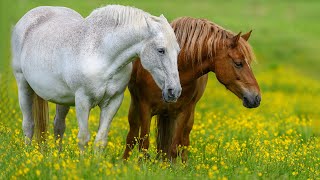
pixel 285 33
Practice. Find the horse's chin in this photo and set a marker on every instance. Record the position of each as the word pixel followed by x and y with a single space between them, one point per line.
pixel 166 99
pixel 246 103
pixel 170 101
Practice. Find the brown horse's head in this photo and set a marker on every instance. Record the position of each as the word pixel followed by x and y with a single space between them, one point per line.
pixel 232 69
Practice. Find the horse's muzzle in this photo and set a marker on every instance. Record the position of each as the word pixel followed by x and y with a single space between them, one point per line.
pixel 251 101
pixel 171 94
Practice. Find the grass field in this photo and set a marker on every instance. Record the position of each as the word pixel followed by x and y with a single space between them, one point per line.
pixel 278 140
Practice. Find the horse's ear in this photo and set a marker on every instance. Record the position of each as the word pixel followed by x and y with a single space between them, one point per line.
pixel 151 24
pixel 235 40
pixel 246 36
pixel 163 18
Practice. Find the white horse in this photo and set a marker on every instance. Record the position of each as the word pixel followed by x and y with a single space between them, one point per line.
pixel 61 57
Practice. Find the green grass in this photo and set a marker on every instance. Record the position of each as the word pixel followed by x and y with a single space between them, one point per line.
pixel 280 139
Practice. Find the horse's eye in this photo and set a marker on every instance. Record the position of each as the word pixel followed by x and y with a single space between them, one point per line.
pixel 238 64
pixel 161 51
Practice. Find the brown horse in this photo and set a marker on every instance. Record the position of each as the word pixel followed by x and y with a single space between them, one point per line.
pixel 205 47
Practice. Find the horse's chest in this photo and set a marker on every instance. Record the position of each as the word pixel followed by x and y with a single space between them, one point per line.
pixel 105 87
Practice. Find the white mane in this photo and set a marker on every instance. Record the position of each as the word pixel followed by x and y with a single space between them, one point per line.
pixel 117 15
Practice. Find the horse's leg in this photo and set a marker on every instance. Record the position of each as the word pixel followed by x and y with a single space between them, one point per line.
pixel 83 107
pixel 186 132
pixel 60 122
pixel 145 119
pixel 181 119
pixel 25 100
pixel 107 112
pixel 134 122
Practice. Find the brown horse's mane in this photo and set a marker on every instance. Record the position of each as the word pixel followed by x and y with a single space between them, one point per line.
pixel 200 38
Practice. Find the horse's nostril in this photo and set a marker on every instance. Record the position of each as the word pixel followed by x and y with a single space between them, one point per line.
pixel 245 99
pixel 258 99
pixel 170 92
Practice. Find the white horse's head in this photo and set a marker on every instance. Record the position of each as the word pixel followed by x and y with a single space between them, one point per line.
pixel 159 57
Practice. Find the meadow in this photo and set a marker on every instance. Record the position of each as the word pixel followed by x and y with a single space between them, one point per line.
pixel 278 140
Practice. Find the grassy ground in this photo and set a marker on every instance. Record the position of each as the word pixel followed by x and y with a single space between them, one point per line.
pixel 280 139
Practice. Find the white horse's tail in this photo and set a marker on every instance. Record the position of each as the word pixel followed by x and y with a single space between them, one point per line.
pixel 40 111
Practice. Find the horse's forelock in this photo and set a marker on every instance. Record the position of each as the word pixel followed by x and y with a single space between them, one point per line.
pixel 246 50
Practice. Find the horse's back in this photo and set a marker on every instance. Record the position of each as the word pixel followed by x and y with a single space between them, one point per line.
pixel 32 20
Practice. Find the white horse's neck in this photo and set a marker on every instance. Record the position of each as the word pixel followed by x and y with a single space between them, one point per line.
pixel 116 34
pixel 123 46
pixel 116 46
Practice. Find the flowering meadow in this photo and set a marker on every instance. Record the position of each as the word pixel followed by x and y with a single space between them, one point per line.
pixel 278 140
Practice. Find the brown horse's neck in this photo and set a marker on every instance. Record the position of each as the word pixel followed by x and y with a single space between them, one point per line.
pixel 191 71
